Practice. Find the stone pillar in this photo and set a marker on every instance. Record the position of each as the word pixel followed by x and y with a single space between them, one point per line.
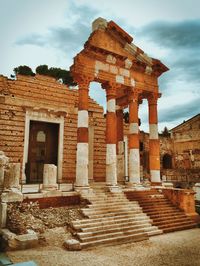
pixel 120 144
pixel 50 177
pixel 154 142
pixel 3 163
pixel 134 147
pixel 12 176
pixel 111 135
pixel 82 135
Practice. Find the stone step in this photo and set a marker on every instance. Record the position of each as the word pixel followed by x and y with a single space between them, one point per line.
pixel 173 223
pixel 117 228
pixel 97 199
pixel 158 217
pixel 160 210
pixel 116 233
pixel 103 198
pixel 115 240
pixel 124 217
pixel 106 204
pixel 122 209
pixel 154 232
pixel 113 213
pixel 158 203
pixel 95 227
pixel 114 206
pixel 179 228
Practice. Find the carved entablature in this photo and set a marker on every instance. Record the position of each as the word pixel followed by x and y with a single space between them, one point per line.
pixel 109 56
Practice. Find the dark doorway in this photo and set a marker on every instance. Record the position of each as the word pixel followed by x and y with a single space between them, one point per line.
pixel 43 149
pixel 167 161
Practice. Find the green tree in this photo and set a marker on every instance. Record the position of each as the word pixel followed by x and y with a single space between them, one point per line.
pixel 57 73
pixel 42 70
pixel 23 70
pixel 165 132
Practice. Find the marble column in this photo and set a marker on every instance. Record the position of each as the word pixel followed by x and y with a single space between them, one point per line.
pixel 154 142
pixel 134 149
pixel 111 135
pixel 82 135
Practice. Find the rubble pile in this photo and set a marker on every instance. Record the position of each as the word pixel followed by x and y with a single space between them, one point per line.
pixel 23 217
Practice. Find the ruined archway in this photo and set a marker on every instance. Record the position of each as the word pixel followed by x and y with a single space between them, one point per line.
pixel 127 75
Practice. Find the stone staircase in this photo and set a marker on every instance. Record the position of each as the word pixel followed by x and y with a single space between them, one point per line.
pixel 161 211
pixel 112 219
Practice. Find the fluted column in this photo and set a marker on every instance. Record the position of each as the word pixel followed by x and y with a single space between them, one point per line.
pixel 154 142
pixel 111 135
pixel 82 134
pixel 134 152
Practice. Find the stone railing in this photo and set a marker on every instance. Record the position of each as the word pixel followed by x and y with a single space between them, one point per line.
pixel 183 199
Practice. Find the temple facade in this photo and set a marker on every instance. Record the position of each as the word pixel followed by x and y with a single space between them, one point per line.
pixel 45 123
pixel 128 76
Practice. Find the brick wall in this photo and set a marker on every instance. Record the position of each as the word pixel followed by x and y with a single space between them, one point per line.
pixel 45 94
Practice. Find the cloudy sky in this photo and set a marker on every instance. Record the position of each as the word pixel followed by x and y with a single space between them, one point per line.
pixel 52 32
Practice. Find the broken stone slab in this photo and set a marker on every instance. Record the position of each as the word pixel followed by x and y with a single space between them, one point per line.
pixel 12 195
pixel 72 244
pixel 12 176
pixel 12 241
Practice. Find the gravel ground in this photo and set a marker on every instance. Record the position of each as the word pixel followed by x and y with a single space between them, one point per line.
pixel 176 249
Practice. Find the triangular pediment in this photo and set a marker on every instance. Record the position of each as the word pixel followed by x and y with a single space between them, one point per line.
pixel 105 41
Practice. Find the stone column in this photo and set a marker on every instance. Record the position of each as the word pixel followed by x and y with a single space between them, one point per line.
pixel 154 142
pixel 120 144
pixel 82 134
pixel 134 151
pixel 111 135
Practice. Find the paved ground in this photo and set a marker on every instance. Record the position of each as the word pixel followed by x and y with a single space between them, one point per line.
pixel 176 249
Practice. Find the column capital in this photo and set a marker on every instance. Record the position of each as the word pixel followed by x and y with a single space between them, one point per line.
pixel 134 94
pixel 153 98
pixel 111 89
pixel 83 81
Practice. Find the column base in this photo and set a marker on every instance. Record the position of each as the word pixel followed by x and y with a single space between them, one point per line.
pixel 135 186
pixel 114 188
pixel 84 190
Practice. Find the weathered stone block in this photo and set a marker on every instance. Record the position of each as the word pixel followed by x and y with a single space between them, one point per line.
pixel 196 188
pixel 3 214
pixel 3 163
pixel 12 241
pixel 12 176
pixel 50 177
pixel 12 195
pixel 72 244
